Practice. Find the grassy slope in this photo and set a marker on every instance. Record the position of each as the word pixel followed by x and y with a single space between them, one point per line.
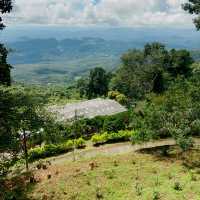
pixel 116 178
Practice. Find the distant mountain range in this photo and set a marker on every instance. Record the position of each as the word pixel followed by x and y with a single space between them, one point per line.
pixel 61 55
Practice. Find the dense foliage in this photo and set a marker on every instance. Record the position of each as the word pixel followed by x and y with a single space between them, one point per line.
pixel 96 85
pixel 5 7
pixel 53 150
pixel 5 68
pixel 150 70
pixel 193 7
pixel 159 86
pixel 174 114
pixel 121 136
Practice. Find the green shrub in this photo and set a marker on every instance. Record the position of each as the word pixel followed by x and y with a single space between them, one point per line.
pixel 87 127
pixel 113 94
pixel 80 143
pixel 184 142
pixel 120 136
pixel 116 123
pixel 99 139
pixel 141 136
pixel 69 144
pixel 156 195
pixel 195 127
pixel 177 186
pixel 122 99
pixel 52 150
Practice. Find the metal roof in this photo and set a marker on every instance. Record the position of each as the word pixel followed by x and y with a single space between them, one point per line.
pixel 88 109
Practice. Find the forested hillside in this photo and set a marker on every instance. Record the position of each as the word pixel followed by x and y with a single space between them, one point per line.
pixel 115 116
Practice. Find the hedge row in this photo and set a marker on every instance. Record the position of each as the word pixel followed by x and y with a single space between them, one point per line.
pixel 52 150
pixel 121 136
pixel 88 127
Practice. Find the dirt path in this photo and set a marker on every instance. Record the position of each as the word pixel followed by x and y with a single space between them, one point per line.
pixel 114 149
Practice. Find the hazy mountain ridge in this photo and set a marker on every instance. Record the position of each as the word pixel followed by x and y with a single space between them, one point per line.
pixel 42 50
pixel 57 55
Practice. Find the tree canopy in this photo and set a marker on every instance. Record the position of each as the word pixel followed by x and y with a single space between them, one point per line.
pixel 96 84
pixel 5 78
pixel 21 109
pixel 148 70
pixel 5 7
pixel 193 7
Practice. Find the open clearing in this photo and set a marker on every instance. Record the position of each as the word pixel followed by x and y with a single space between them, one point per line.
pixel 120 176
pixel 131 176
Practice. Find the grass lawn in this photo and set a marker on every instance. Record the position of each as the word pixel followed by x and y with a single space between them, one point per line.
pixel 122 177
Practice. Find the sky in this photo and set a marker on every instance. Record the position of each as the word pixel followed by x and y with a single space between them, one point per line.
pixel 130 13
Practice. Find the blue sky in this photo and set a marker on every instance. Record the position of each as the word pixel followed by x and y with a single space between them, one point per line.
pixel 132 13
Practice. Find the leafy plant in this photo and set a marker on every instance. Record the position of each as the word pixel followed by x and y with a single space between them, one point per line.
pixel 139 189
pixel 120 136
pixel 156 195
pixel 52 149
pixel 177 186
pixel 80 143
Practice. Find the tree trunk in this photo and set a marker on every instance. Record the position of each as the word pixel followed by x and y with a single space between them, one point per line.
pixel 25 149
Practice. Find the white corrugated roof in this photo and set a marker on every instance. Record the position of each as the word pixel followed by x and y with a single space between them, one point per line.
pixel 88 109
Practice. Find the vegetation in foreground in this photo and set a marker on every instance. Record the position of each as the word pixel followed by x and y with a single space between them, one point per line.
pixel 131 176
pixel 165 82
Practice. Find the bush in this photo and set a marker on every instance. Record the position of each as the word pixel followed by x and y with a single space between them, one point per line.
pixel 99 139
pixel 195 127
pixel 52 150
pixel 87 127
pixel 120 136
pixel 116 122
pixel 122 99
pixel 80 143
pixel 117 96
pixel 6 163
pixel 69 144
pixel 177 186
pixel 184 142
pixel 142 136
pixel 113 94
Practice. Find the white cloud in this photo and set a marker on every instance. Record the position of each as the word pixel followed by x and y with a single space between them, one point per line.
pixel 100 12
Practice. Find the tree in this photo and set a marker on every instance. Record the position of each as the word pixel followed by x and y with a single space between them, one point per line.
pixel 21 116
pixel 82 86
pixel 4 67
pixel 98 83
pixel 141 71
pixel 8 110
pixel 5 7
pixel 149 70
pixel 180 62
pixel 193 7
pixel 127 79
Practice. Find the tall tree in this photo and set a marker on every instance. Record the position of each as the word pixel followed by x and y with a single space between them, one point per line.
pixel 180 62
pixel 141 71
pixel 193 7
pixel 5 68
pixel 98 83
pixel 144 71
pixel 21 116
pixel 5 7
